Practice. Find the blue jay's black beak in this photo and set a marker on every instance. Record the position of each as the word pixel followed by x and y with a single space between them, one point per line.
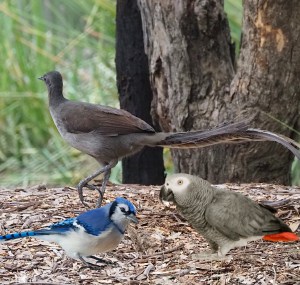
pixel 166 195
pixel 132 218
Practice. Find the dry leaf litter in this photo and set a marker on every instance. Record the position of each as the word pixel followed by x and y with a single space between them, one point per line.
pixel 159 250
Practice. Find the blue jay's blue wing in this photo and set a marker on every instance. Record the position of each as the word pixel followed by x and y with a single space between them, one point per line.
pixel 59 228
pixel 95 221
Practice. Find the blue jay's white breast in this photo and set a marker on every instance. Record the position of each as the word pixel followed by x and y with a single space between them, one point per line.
pixel 79 242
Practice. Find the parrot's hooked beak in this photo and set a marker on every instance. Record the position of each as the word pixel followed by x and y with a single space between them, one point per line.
pixel 166 195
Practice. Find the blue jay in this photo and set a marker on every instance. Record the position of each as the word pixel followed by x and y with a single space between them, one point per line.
pixel 95 231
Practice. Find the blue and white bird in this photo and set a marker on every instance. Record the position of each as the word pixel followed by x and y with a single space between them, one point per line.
pixel 95 231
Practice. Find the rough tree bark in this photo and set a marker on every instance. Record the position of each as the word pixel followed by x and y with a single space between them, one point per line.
pixel 267 82
pixel 135 92
pixel 195 85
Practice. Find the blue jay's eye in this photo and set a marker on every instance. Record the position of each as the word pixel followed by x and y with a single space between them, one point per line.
pixel 122 209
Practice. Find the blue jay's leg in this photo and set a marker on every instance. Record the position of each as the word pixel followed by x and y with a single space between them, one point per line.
pixel 98 259
pixel 88 264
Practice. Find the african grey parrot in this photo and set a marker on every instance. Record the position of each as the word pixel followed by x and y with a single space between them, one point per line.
pixel 225 219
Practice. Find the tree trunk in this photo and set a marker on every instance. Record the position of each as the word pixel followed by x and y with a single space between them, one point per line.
pixel 266 86
pixel 195 86
pixel 135 92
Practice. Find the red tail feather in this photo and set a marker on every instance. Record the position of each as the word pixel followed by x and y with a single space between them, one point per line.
pixel 286 236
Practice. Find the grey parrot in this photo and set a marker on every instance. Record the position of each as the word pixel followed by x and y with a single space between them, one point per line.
pixel 225 219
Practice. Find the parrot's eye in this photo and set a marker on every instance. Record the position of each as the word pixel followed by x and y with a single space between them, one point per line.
pixel 179 182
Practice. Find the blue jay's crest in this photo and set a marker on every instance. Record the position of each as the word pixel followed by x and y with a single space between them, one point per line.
pixel 131 207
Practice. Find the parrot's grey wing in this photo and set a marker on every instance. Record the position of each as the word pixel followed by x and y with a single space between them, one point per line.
pixel 236 216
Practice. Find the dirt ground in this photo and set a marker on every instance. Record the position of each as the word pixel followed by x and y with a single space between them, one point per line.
pixel 159 250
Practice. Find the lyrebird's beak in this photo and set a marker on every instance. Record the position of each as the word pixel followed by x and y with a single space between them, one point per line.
pixel 41 78
pixel 132 219
pixel 166 195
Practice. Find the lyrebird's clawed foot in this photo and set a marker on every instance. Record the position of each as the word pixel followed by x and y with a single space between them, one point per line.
pixel 99 202
pixel 102 190
pixel 80 187
pixel 91 187
pixel 84 182
pixel 80 193
pixel 101 194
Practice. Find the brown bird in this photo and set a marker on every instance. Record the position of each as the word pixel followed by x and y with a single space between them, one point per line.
pixel 109 134
pixel 225 219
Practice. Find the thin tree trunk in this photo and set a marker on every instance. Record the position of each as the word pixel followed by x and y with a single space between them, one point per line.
pixel 134 88
pixel 195 85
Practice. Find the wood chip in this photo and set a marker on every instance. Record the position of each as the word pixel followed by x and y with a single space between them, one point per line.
pixel 158 250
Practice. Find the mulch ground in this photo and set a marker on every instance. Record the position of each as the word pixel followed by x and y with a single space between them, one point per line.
pixel 159 250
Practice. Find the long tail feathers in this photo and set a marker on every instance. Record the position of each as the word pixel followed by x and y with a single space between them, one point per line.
pixel 285 237
pixel 283 140
pixel 231 133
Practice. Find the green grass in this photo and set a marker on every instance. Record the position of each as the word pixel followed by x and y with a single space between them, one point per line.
pixel 234 11
pixel 74 37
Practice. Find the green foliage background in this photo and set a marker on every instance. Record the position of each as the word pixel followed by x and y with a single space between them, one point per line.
pixel 74 37
pixel 78 39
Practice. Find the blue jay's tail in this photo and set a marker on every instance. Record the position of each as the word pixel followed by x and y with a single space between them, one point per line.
pixel 59 228
pixel 38 233
pixel 17 235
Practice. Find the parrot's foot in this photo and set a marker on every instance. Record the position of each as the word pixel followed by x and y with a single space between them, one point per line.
pixel 208 255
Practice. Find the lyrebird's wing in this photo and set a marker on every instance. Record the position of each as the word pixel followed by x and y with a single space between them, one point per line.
pixel 84 118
